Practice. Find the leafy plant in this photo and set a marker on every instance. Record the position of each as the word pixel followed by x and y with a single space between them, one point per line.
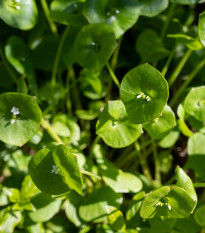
pixel 102 116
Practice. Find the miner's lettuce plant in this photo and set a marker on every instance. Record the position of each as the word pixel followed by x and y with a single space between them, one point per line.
pixel 102 116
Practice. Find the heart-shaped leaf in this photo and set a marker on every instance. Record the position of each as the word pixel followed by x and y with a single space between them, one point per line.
pixel 144 92
pixel 55 171
pixel 114 127
pixel 20 118
pixel 96 42
pixel 202 27
pixel 18 13
pixel 120 15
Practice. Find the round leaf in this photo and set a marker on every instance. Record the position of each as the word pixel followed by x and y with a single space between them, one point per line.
pixel 55 171
pixel 199 216
pixel 94 46
pixel 119 14
pixel 168 202
pixel 20 118
pixel 144 92
pixel 194 103
pixel 115 128
pixel 158 127
pixel 151 8
pixel 18 13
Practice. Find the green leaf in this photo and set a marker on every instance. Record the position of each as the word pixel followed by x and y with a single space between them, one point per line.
pixel 186 2
pixel 66 128
pixel 151 8
pixel 19 56
pixel 46 208
pixel 19 14
pixel 194 103
pixel 185 182
pixel 168 202
pixel 199 216
pixel 144 92
pixel 165 159
pixel 196 152
pixel 9 219
pixel 94 207
pixel 170 139
pixel 55 171
pixel 91 85
pixel 72 204
pixel 118 14
pixel 160 126
pixel 20 118
pixel 94 46
pixel 68 12
pixel 150 52
pixel 116 220
pixel 187 40
pixel 201 26
pixel 114 127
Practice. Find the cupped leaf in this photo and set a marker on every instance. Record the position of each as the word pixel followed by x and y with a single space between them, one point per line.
pixel 168 202
pixel 20 118
pixel 46 207
pixel 160 126
pixel 150 52
pixel 68 12
pixel 170 139
pixel 91 85
pixel 55 171
pixel 120 15
pixel 116 220
pixel 94 46
pixel 194 103
pixel 18 54
pixel 196 152
pixel 202 27
pixel 18 13
pixel 199 216
pixel 185 182
pixel 151 8
pixel 94 207
pixel 188 41
pixel 144 92
pixel 114 127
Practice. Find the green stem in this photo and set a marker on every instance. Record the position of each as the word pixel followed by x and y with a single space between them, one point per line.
pixel 96 140
pixel 143 162
pixel 90 174
pixel 156 162
pixel 128 157
pixel 13 76
pixel 50 22
pixel 186 83
pixel 169 16
pixel 166 66
pixel 179 67
pixel 116 54
pixel 47 126
pixel 57 58
pixel 199 185
pixel 114 78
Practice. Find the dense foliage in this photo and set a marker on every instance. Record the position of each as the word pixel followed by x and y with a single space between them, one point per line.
pixel 102 116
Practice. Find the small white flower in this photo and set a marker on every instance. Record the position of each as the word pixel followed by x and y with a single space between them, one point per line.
pixel 15 111
pixel 117 11
pixel 55 169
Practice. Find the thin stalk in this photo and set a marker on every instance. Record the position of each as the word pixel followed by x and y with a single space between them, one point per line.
pixel 90 174
pixel 166 66
pixel 156 162
pixel 57 58
pixel 166 23
pixel 186 83
pixel 143 162
pixel 199 185
pixel 179 67
pixel 116 54
pixel 114 78
pixel 50 22
pixel 13 76
pixel 96 140
pixel 129 157
pixel 47 126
